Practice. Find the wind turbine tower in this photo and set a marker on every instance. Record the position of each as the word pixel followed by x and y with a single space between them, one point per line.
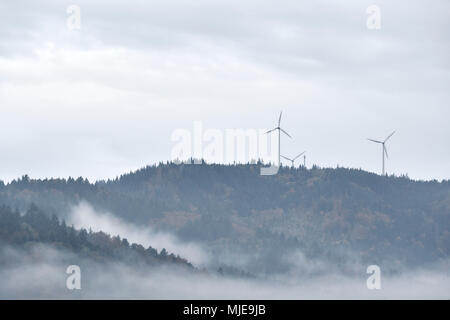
pixel 279 137
pixel 383 150
pixel 292 160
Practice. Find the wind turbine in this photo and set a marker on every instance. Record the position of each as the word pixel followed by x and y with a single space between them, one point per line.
pixel 279 136
pixel 384 150
pixel 292 160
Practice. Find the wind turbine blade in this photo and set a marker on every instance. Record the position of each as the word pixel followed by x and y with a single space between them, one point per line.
pixel 375 141
pixel 271 130
pixel 286 133
pixel 385 151
pixel 299 155
pixel 389 136
pixel 279 119
pixel 286 158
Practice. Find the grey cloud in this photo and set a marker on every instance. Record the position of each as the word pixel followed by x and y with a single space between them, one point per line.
pixel 136 72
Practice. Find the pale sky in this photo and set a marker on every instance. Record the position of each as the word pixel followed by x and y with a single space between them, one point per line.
pixel 105 99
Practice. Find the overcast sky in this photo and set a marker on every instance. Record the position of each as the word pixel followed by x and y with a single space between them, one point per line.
pixel 105 99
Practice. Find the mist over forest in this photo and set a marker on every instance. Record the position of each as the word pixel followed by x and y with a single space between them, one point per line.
pixel 224 150
pixel 224 231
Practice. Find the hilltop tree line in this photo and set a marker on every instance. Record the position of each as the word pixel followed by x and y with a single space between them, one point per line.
pixel 232 207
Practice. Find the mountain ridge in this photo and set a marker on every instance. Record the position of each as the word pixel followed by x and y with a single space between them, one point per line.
pixel 231 207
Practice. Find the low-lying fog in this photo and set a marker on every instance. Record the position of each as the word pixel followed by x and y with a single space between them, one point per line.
pixel 40 273
pixel 84 216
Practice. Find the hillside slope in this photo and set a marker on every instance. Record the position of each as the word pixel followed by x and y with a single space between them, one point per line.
pixel 35 228
pixel 324 213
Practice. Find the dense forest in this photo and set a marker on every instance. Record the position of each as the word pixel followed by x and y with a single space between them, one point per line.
pixel 37 228
pixel 324 213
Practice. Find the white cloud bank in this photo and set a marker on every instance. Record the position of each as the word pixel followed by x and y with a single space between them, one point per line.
pixel 84 216
pixel 41 274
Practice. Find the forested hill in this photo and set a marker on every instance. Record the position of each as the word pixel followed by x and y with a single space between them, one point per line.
pixel 237 188
pixel 37 228
pixel 317 210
